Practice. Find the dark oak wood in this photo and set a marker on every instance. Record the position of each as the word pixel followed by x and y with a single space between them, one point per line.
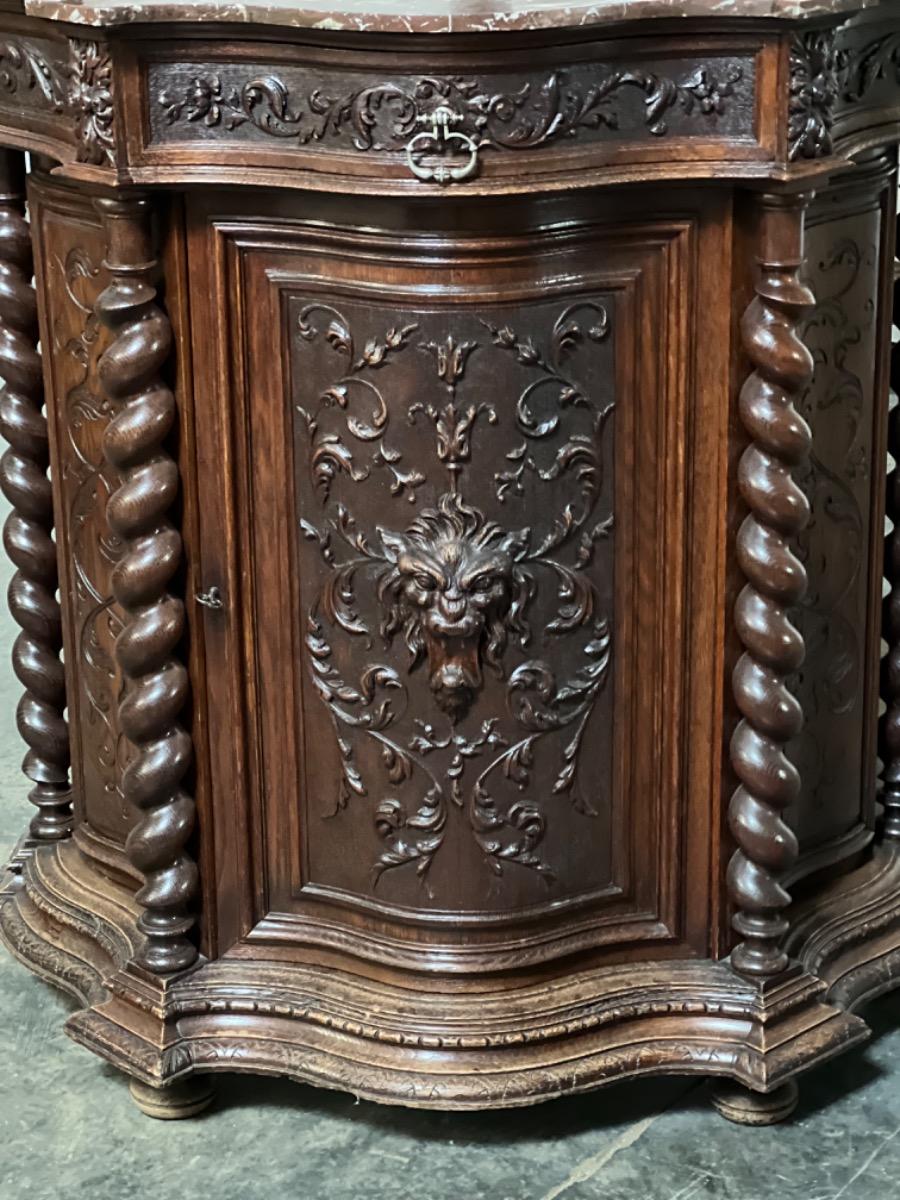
pixel 469 515
pixel 155 681
pixel 27 534
pixel 771 716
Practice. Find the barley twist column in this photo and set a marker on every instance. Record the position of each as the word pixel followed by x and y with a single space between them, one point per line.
pixel 775 583
pixel 27 534
pixel 890 725
pixel 156 690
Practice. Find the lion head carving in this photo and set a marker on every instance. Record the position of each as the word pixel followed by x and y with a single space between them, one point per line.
pixel 454 587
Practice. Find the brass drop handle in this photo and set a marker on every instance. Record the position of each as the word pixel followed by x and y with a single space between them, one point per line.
pixel 440 139
pixel 211 598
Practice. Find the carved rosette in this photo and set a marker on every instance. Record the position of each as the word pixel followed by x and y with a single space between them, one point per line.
pixel 90 99
pixel 814 89
pixel 27 534
pixel 890 725
pixel 146 649
pixel 776 581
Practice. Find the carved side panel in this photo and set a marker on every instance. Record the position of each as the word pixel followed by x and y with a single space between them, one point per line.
pixel 835 685
pixel 70 250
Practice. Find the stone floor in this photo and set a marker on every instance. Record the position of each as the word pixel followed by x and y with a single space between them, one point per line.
pixel 69 1130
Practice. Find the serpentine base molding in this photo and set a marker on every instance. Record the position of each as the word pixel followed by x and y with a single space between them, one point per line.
pixel 507 1047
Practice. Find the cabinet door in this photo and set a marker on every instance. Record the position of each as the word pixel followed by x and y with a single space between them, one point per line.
pixel 460 491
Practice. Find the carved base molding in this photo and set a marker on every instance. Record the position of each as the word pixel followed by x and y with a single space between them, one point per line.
pixel 452 1050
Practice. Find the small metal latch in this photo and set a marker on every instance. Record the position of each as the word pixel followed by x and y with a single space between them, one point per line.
pixel 211 598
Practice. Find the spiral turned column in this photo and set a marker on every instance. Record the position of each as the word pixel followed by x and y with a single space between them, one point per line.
pixel 130 373
pixel 775 583
pixel 27 534
pixel 890 724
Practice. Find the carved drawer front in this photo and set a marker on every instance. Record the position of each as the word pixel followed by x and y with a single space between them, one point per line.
pixel 418 117
pixel 462 552
pixel 848 262
pixel 34 82
pixel 69 249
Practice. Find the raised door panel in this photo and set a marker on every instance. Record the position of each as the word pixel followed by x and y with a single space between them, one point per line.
pixel 457 609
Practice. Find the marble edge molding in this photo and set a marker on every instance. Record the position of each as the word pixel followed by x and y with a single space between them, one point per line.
pixel 425 16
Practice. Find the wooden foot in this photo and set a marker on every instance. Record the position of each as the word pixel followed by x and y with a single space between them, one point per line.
pixel 174 1102
pixel 745 1107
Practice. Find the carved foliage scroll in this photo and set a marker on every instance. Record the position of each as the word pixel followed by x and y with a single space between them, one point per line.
pixel 39 76
pixel 502 112
pixel 830 71
pixel 73 278
pixel 843 258
pixel 454 488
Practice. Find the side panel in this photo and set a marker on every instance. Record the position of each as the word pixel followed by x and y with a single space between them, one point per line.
pixel 70 275
pixel 849 260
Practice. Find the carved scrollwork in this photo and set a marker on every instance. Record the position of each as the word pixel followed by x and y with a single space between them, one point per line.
pixel 386 115
pixel 27 72
pixel 824 75
pixel 829 683
pixel 862 69
pixel 90 481
pixel 455 586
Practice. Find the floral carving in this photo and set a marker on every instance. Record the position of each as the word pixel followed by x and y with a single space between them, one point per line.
pixel 24 69
pixel 90 100
pixel 455 588
pixel 814 89
pixel 386 115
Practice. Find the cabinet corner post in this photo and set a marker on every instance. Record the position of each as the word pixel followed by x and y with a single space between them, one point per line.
pixel 775 581
pixel 28 532
pixel 131 373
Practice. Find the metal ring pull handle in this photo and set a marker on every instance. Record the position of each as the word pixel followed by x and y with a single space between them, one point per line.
pixel 440 139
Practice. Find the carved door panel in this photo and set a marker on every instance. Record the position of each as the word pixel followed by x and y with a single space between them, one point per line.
pixel 458 582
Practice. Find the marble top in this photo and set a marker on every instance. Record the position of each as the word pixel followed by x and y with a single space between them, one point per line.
pixel 424 16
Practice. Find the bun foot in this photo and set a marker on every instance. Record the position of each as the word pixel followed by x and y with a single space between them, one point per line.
pixel 745 1107
pixel 174 1102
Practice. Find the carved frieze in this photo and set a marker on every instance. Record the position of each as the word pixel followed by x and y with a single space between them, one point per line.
pixel 459 649
pixel 74 82
pixel 258 103
pixel 830 72
pixel 30 74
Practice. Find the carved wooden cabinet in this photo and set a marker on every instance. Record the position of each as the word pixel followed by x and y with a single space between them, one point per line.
pixel 448 517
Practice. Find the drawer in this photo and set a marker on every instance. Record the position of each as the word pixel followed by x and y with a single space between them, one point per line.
pixel 416 120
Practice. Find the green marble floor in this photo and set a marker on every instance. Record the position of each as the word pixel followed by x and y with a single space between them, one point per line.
pixel 69 1130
